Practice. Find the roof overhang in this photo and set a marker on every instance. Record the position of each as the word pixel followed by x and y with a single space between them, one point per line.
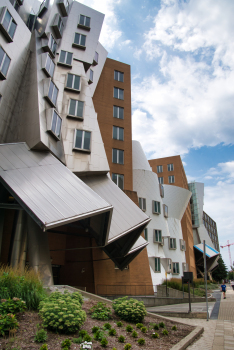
pixel 210 252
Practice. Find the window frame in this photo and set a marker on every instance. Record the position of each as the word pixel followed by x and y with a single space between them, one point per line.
pixel 90 81
pixel 159 169
pixel 63 63
pixel 160 180
pixel 79 46
pixel 3 76
pixel 118 108
pixel 170 178
pixel 142 203
pixel 165 210
pixel 76 108
pixel 95 61
pixel 118 175
pixel 119 89
pixel 58 137
pixel 174 245
pixel 158 205
pixel 73 82
pixel 146 233
pixel 82 141
pixel 170 167
pixel 118 134
pixel 84 26
pixel 177 265
pixel 117 155
pixel 161 190
pixel 48 73
pixel 158 270
pixel 118 74
pixel 182 244
pixel 157 236
pixel 58 26
pixel 6 30
pixel 47 95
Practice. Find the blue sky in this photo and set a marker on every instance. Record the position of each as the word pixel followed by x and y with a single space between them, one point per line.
pixel 181 54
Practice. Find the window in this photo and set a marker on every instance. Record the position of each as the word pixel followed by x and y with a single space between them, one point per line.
pixel 165 210
pixel 118 93
pixel 56 125
pixel 159 168
pixel 170 167
pixel 95 60
pixel 160 180
pixel 73 82
pixel 172 243
pixel 117 156
pixel 176 268
pixel 8 24
pixel 16 4
pixel 118 133
pixel 157 265
pixel 185 267
pixel 118 76
pixel 64 7
pixel 79 41
pixel 52 93
pixel 171 179
pixel 4 63
pixel 49 65
pixel 58 26
pixel 65 58
pixel 90 76
pixel 146 234
pixel 82 140
pixel 182 245
pixel 52 45
pixel 161 190
pixel 118 112
pixel 76 109
pixel 157 236
pixel 84 22
pixel 118 180
pixel 142 203
pixel 156 207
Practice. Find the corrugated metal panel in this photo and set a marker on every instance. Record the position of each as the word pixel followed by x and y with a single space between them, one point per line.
pixel 140 243
pixel 44 186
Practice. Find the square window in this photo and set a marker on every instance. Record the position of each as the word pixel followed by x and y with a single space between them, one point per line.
pixel 118 93
pixel 65 58
pixel 76 109
pixel 175 268
pixel 165 210
pixel 142 203
pixel 156 207
pixel 171 179
pixel 118 76
pixel 7 24
pixel 146 234
pixel 84 22
pixel 172 243
pixel 157 236
pixel 79 41
pixel 118 112
pixel 82 140
pixel 117 156
pixel 4 63
pixel 118 133
pixel 48 65
pixel 157 265
pixel 170 167
pixel 56 125
pixel 160 180
pixel 118 179
pixel 159 168
pixel 52 94
pixel 73 82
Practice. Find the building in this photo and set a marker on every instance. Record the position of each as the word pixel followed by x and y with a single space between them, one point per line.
pixel 170 170
pixel 60 212
pixel 211 227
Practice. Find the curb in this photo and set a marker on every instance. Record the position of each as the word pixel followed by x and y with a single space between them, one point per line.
pixel 184 343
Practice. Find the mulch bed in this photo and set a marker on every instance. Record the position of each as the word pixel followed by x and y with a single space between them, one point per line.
pixel 28 326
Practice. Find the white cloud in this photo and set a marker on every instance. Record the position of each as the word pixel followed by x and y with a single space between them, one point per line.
pixel 222 169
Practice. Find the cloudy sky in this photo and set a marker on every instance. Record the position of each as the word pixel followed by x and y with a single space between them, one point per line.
pixel 181 54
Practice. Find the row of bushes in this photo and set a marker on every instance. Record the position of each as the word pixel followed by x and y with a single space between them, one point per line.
pixel 176 283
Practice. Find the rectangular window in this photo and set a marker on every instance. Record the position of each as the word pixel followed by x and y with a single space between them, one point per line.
pixel 117 156
pixel 161 190
pixel 158 236
pixel 142 203
pixel 73 82
pixel 170 167
pixel 76 108
pixel 90 76
pixel 172 243
pixel 8 25
pixel 160 180
pixel 118 76
pixel 171 179
pixel 118 180
pixel 58 26
pixel 4 63
pixel 185 267
pixel 118 112
pixel 156 207
pixel 159 168
pixel 176 268
pixel 82 140
pixel 95 59
pixel 118 93
pixel 52 44
pixel 53 93
pixel 165 210
pixel 64 7
pixel 182 245
pixel 65 58
pixel 56 124
pixel 157 265
pixel 118 133
pixel 146 234
pixel 79 41
pixel 84 22
pixel 49 66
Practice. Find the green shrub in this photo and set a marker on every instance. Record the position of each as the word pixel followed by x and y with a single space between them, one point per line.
pixel 107 325
pixel 155 335
pixel 95 329
pixel 130 310
pixel 77 340
pixel 155 326
pixel 114 349
pixel 112 331
pixel 141 341
pixel 66 344
pixel 161 324
pixel 7 322
pixel 129 328
pixel 82 333
pixel 139 325
pixel 174 328
pixel 12 306
pixel 121 339
pixel 26 285
pixel 104 342
pixel 134 334
pixel 165 332
pixel 44 347
pixel 127 346
pixel 119 324
pixel 144 329
pixel 67 297
pixel 41 335
pixel 99 335
pixel 87 338
pixel 62 313
pixel 100 312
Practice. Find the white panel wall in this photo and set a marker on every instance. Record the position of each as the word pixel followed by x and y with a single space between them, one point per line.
pixel 177 199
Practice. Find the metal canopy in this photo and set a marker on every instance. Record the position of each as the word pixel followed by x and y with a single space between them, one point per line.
pixel 47 189
pixel 210 252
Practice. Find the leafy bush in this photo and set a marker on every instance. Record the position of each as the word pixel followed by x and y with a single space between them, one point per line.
pixel 87 338
pixel 95 329
pixel 155 335
pixel 75 297
pixel 127 346
pixel 112 331
pixel 26 285
pixel 62 313
pixel 119 324
pixel 44 347
pixel 114 349
pixel 77 340
pixel 155 326
pixel 129 328
pixel 141 341
pixel 134 334
pixel 100 312
pixel 7 322
pixel 174 328
pixel 139 325
pixel 104 342
pixel 41 335
pixel 165 332
pixel 12 306
pixel 161 324
pixel 107 325
pixel 144 329
pixel 66 344
pixel 100 334
pixel 121 339
pixel 130 310
pixel 82 333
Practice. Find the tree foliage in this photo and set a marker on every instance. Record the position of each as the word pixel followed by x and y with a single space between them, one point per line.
pixel 221 272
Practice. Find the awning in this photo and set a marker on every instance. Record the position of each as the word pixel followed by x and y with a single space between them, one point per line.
pixel 210 252
pixel 45 188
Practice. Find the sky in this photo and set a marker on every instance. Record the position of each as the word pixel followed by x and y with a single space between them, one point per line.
pixel 181 54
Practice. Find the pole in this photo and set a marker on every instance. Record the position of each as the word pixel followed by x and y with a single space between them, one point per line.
pixel 189 296
pixel 205 274
pixel 166 283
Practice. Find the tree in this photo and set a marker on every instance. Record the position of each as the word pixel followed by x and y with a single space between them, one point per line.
pixel 221 272
pixel 231 275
